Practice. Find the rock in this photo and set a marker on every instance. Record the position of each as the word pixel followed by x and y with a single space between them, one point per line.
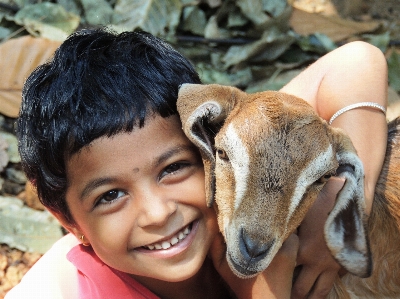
pixel 25 228
pixel 3 153
pixel 12 149
pixel 16 175
pixel 11 188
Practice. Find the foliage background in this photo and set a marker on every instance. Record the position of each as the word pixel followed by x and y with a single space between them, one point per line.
pixel 252 44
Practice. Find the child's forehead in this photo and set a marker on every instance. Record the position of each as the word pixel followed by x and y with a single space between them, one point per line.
pixel 152 137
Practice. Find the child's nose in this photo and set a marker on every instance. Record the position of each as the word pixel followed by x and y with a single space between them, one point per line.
pixel 156 208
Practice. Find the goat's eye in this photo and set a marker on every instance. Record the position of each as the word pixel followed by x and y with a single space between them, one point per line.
pixel 222 154
pixel 324 178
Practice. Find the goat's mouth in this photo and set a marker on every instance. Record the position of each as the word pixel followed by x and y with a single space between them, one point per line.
pixel 239 270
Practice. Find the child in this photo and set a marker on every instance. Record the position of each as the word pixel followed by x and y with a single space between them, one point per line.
pixel 101 140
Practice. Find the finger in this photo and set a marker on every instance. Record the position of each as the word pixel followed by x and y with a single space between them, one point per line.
pixel 217 250
pixel 323 285
pixel 284 261
pixel 304 283
pixel 290 248
pixel 279 273
pixel 217 253
pixel 291 244
pixel 331 189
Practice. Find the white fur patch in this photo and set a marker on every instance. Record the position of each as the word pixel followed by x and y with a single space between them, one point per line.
pixel 354 258
pixel 314 169
pixel 240 161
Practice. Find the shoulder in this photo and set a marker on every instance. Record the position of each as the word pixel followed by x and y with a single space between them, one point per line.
pixel 53 276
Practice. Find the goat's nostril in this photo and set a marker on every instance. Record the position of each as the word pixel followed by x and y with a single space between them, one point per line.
pixel 251 248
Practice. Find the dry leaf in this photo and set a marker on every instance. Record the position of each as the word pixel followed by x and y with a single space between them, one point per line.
pixel 30 197
pixel 11 257
pixel 334 27
pixel 18 58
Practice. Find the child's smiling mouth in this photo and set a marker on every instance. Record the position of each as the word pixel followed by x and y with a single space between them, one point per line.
pixel 178 238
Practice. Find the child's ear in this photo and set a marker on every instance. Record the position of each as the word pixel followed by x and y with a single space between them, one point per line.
pixel 71 227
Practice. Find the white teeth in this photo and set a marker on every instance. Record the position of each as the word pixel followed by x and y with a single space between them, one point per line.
pixel 174 240
pixel 165 245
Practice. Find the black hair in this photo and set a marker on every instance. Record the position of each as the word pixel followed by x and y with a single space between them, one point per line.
pixel 99 83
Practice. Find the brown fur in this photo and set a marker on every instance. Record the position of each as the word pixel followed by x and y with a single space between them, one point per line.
pixel 383 230
pixel 278 135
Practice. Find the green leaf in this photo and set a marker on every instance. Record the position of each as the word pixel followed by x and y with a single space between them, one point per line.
pixel 253 10
pixel 271 45
pixel 274 7
pixel 159 17
pixel 27 229
pixel 236 19
pixel 210 75
pixel 97 12
pixel 378 40
pixel 394 70
pixel 275 82
pixel 297 57
pixel 193 20
pixel 71 6
pixel 212 30
pixel 4 32
pixel 22 3
pixel 47 20
pixel 317 42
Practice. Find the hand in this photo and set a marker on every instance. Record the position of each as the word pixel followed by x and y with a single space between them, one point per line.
pixel 274 282
pixel 318 268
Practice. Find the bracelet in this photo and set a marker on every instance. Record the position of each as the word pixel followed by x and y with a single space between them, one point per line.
pixel 357 105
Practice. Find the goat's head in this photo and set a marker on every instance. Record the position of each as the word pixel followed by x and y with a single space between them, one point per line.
pixel 266 157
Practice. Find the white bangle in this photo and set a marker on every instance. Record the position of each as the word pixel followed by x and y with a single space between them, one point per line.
pixel 357 105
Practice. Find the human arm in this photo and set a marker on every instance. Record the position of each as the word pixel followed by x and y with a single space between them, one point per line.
pixel 355 72
pixel 274 283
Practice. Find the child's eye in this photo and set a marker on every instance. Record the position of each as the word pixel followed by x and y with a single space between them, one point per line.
pixel 173 168
pixel 110 196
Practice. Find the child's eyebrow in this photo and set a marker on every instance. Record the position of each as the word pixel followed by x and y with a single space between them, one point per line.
pixel 89 187
pixel 171 152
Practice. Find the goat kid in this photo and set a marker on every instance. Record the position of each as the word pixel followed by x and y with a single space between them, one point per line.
pixel 266 157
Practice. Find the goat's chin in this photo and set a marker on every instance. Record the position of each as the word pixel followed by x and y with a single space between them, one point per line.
pixel 238 270
pixel 242 272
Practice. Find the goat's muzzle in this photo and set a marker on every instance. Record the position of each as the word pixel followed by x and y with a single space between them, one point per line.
pixel 252 253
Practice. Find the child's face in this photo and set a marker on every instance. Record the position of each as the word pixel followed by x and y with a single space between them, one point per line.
pixel 137 191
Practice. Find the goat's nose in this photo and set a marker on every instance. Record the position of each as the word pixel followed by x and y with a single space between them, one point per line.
pixel 252 249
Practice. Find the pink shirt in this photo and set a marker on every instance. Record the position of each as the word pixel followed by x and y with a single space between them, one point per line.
pixel 96 280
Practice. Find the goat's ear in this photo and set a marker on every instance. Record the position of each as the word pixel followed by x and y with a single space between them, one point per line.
pixel 203 109
pixel 345 228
